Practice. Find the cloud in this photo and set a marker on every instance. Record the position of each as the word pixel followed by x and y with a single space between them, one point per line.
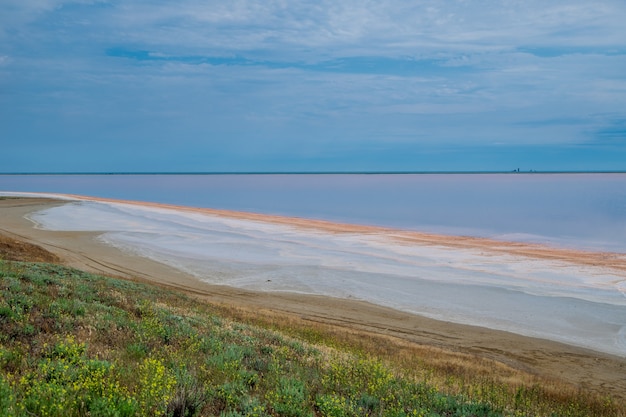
pixel 553 51
pixel 328 29
pixel 356 65
pixel 236 76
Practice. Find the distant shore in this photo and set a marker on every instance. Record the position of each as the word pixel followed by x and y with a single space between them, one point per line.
pixel 580 366
pixel 512 171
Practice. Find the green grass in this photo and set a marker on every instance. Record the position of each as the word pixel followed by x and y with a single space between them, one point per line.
pixel 77 344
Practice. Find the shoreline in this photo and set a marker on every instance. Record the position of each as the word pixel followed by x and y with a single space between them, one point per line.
pixel 604 259
pixel 579 366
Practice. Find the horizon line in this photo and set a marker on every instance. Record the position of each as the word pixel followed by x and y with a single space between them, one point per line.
pixel 515 171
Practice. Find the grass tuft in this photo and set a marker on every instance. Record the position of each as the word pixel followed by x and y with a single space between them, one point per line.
pixel 75 344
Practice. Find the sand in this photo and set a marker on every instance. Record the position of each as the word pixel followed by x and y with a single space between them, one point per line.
pixel 586 368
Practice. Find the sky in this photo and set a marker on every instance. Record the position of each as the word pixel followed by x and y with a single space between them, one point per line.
pixel 308 86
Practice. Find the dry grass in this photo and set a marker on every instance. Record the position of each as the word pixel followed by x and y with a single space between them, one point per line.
pixel 17 250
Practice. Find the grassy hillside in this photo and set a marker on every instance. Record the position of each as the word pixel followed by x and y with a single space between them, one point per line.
pixel 76 344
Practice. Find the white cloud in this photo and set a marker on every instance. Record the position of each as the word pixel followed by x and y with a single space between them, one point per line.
pixel 20 12
pixel 487 68
pixel 308 31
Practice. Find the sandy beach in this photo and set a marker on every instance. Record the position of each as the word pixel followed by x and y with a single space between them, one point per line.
pixel 609 260
pixel 600 372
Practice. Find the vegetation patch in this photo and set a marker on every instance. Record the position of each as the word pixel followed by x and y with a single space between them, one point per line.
pixel 17 250
pixel 77 344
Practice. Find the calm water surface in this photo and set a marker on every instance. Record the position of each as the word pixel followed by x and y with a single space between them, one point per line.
pixel 572 210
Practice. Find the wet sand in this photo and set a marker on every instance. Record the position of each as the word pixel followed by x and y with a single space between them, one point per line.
pixel 589 369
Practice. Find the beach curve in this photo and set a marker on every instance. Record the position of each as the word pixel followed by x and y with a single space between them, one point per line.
pixel 82 250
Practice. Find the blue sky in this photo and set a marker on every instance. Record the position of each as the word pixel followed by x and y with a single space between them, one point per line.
pixel 196 85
